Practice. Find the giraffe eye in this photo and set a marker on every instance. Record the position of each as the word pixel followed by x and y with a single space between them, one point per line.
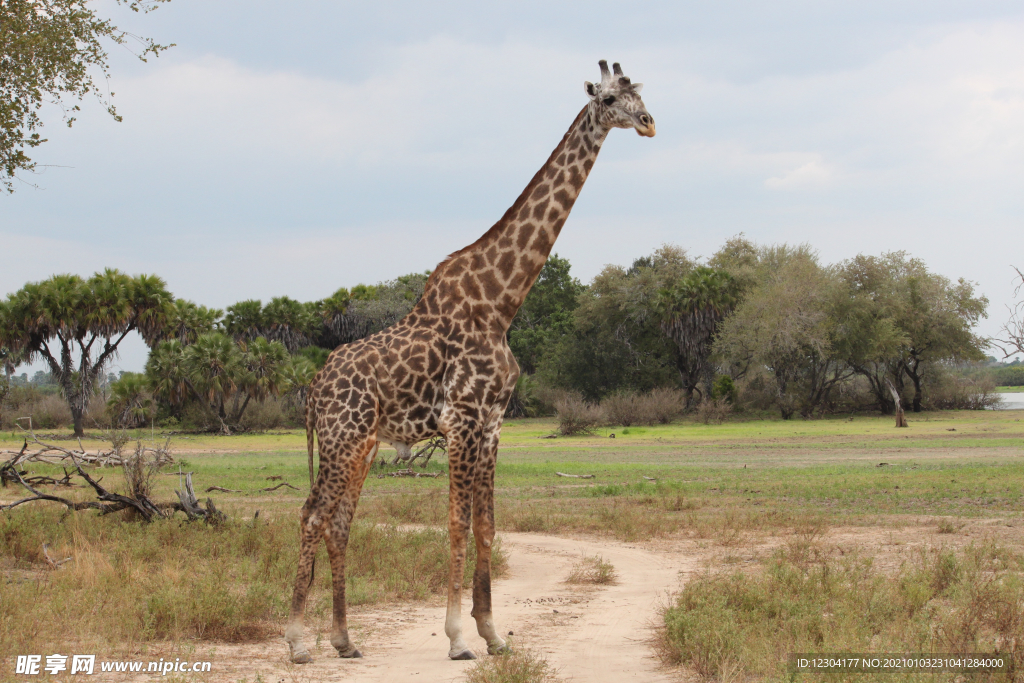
pixel 609 101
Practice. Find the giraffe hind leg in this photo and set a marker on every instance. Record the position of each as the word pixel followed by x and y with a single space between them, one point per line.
pixel 317 510
pixel 336 537
pixel 344 464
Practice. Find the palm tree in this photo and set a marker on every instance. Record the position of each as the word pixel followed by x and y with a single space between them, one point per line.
pixel 67 316
pixel 130 403
pixel 212 364
pixel 186 321
pixel 691 311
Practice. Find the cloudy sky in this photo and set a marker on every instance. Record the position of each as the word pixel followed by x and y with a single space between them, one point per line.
pixel 294 148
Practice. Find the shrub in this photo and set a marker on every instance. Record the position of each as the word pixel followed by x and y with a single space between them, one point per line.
pixel 48 411
pixel 623 408
pixel 724 388
pixel 663 405
pixel 263 415
pixel 524 401
pixel 713 411
pixel 577 416
pixel 1009 377
pixel 956 392
pixel 628 408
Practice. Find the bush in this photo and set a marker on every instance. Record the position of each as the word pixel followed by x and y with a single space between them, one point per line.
pixel 628 408
pixel 264 415
pixel 623 408
pixel 724 388
pixel 577 416
pixel 663 405
pixel 713 411
pixel 48 411
pixel 955 392
pixel 1009 377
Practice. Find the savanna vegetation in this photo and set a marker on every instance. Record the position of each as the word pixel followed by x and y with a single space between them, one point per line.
pixel 751 329
pixel 736 486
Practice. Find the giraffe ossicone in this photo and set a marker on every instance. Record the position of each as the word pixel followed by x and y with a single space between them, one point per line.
pixel 446 369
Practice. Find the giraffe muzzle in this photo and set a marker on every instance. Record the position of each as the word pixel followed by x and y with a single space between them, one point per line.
pixel 644 125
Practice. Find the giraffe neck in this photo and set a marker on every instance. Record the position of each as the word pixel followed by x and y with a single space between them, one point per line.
pixel 501 266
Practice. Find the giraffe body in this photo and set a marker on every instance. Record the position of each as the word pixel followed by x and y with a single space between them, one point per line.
pixel 446 368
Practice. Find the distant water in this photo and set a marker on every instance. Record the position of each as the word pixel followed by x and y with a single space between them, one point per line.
pixel 1012 402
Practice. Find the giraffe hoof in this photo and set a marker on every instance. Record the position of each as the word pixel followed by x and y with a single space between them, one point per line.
pixel 465 654
pixel 302 657
pixel 350 653
pixel 502 649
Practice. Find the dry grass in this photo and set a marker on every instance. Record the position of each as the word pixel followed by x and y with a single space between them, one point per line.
pixel 518 666
pixel 592 569
pixel 129 583
pixel 808 599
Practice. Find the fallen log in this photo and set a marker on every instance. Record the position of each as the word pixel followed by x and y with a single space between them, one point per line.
pixel 575 476
pixel 409 473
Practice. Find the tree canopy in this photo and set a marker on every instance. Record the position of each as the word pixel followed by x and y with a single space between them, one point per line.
pixel 49 50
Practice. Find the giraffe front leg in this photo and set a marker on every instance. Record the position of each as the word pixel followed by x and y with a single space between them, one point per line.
pixel 459 510
pixel 483 534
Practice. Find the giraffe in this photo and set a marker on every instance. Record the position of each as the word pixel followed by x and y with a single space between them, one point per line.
pixel 446 369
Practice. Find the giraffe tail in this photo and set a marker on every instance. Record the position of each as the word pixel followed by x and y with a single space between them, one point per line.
pixel 310 433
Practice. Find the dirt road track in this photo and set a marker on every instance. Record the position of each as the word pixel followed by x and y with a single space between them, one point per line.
pixel 590 634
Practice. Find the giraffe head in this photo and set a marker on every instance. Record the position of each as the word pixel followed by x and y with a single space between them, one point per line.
pixel 618 101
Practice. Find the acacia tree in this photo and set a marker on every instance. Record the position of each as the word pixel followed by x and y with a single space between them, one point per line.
pixel 786 326
pixel 904 320
pixel 691 310
pixel 67 316
pixel 49 51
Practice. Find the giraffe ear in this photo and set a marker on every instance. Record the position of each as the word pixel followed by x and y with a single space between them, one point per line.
pixel 590 89
pixel 637 87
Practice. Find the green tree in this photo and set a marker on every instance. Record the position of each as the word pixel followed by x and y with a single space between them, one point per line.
pixel 223 375
pixel 50 51
pixel 691 310
pixel 130 403
pixel 186 321
pixel 67 316
pixel 785 327
pixel 617 341
pixel 546 315
pixel 910 320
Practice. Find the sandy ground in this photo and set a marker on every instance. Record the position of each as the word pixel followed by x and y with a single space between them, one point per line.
pixel 590 634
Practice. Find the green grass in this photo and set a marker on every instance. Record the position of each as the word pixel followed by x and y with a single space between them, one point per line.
pixel 1010 390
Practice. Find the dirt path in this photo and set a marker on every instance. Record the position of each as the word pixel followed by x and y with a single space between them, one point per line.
pixel 590 634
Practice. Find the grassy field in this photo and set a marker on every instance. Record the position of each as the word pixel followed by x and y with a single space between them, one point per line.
pixel 1010 390
pixel 173 581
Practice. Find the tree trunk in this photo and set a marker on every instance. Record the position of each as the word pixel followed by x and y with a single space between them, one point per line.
pixel 901 420
pixel 77 415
